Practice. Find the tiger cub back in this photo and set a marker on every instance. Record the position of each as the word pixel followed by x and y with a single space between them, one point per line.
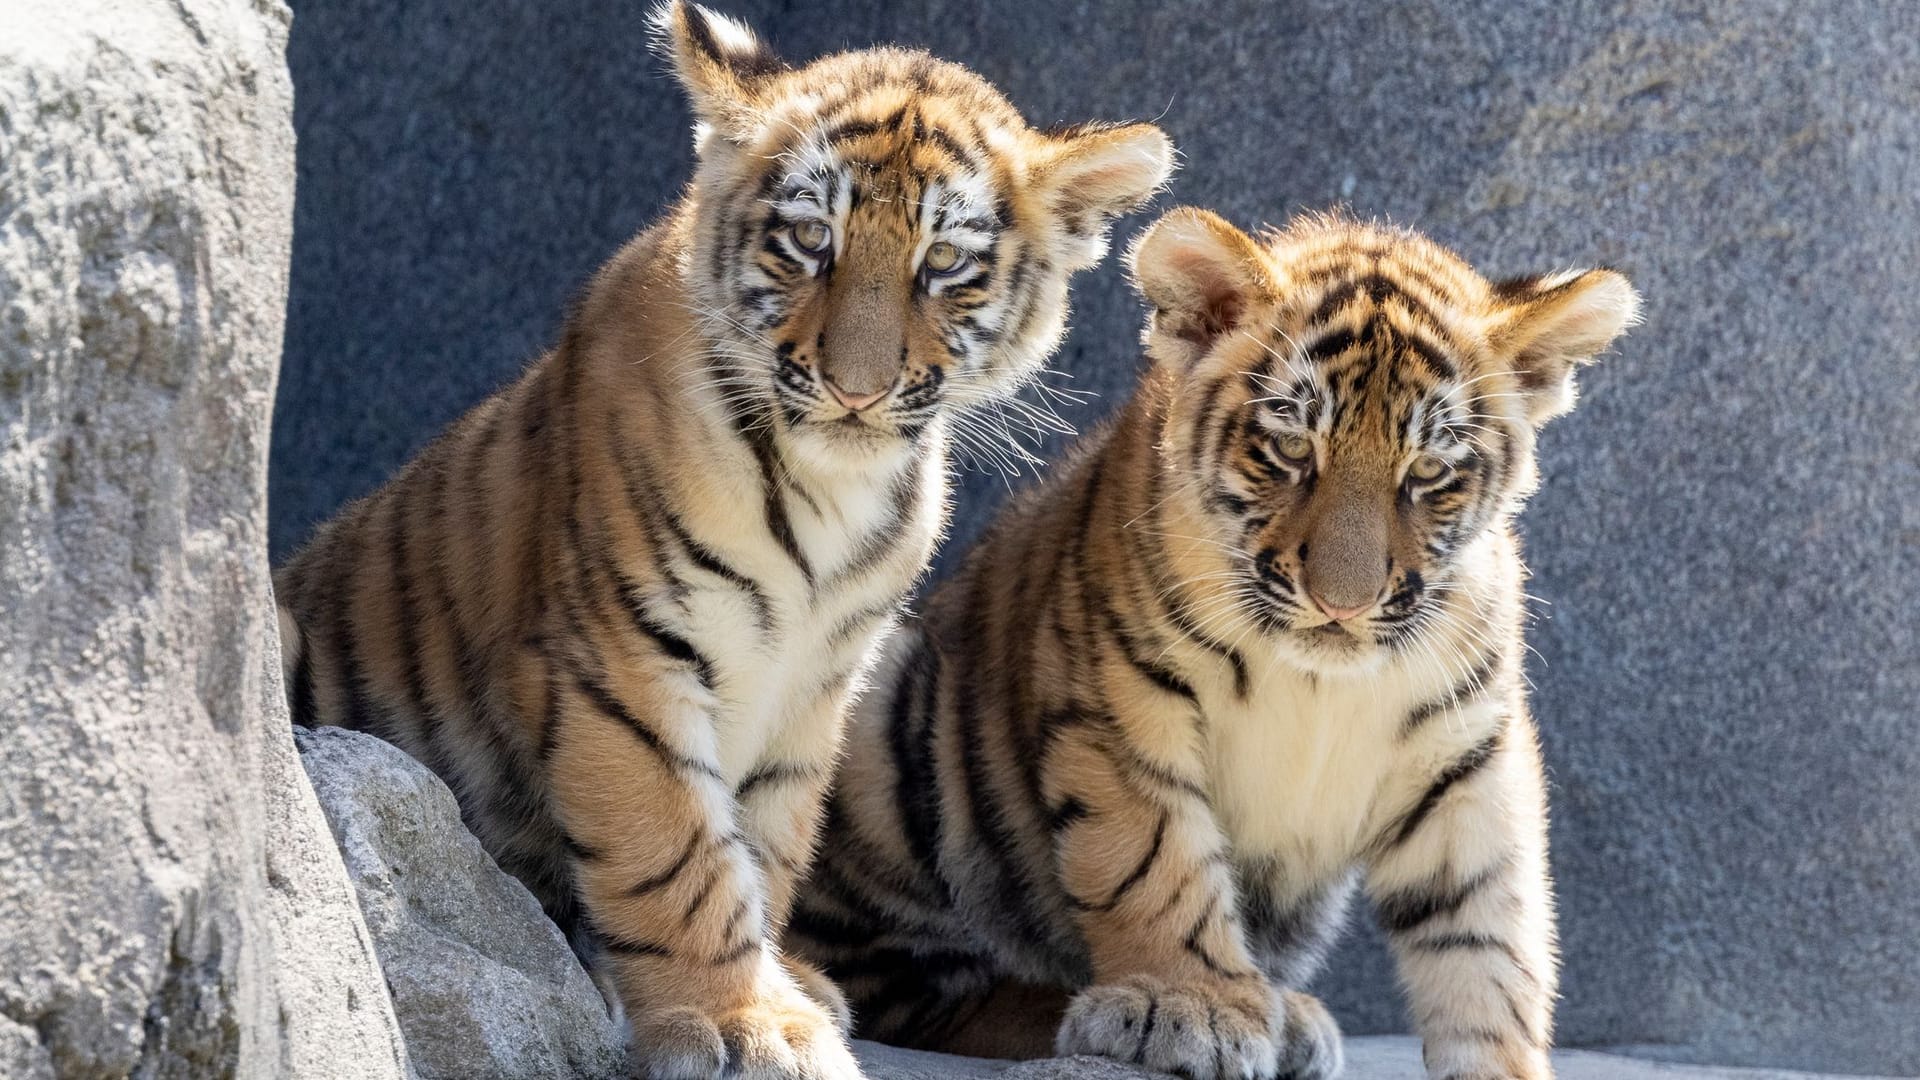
pixel 620 607
pixel 1258 639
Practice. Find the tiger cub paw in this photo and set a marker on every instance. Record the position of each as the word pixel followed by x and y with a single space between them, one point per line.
pixel 824 992
pixel 1235 1031
pixel 1310 1044
pixel 785 1036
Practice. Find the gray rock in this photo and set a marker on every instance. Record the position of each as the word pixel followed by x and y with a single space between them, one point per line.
pixel 1731 521
pixel 483 983
pixel 170 901
pixel 1380 1057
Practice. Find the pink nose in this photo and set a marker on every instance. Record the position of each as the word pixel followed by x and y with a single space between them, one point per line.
pixel 852 401
pixel 1337 614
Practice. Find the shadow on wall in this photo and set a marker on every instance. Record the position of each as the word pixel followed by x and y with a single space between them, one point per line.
pixel 1725 672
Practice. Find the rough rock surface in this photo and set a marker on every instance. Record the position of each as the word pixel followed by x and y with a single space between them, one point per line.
pixel 1726 674
pixel 1379 1057
pixel 483 983
pixel 171 904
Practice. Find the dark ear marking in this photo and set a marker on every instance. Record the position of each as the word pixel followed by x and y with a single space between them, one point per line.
pixel 1550 325
pixel 750 66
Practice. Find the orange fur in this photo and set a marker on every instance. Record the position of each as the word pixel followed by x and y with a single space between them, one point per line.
pixel 1258 636
pixel 621 606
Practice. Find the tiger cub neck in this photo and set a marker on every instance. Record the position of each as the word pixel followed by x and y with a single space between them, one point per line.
pixel 1302 763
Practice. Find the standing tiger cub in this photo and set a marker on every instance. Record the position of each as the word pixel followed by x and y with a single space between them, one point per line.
pixel 622 605
pixel 1261 636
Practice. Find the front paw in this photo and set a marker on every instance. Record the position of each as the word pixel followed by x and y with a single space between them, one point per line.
pixel 822 990
pixel 1229 1031
pixel 780 1036
pixel 1310 1043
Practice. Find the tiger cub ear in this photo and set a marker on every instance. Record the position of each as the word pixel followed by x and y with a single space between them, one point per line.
pixel 1550 325
pixel 719 61
pixel 1091 174
pixel 1201 276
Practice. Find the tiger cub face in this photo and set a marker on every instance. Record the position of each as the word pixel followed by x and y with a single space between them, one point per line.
pixel 1355 407
pixel 881 236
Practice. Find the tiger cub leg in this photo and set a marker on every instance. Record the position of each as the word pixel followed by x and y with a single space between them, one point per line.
pixel 1463 894
pixel 676 895
pixel 781 804
pixel 1174 987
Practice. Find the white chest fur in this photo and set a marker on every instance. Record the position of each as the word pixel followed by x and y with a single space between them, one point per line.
pixel 1299 767
pixel 1307 769
pixel 785 656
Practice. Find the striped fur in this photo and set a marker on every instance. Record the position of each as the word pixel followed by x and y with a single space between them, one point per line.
pixel 621 606
pixel 1126 770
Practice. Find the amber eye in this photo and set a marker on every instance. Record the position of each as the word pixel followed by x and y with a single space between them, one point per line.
pixel 813 237
pixel 1427 468
pixel 943 258
pixel 1296 449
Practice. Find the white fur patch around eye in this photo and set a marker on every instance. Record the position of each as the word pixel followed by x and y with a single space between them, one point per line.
pixel 958 211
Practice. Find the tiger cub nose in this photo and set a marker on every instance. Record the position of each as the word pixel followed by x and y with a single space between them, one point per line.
pixel 854 402
pixel 1337 614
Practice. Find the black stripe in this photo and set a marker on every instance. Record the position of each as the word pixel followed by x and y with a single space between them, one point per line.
pixel 943 139
pixel 407 640
pixel 301 699
pixel 665 877
pixel 766 455
pixel 700 898
pixel 887 533
pixel 747 947
pixel 654 510
pixel 1194 946
pixel 612 708
pixel 910 733
pixel 667 641
pixel 632 947
pixel 1331 344
pixel 1461 770
pixel 580 849
pixel 1430 354
pixel 774 774
pixel 360 715
pixel 1146 1028
pixel 1406 910
pixel 1139 872
pixel 1473 684
pixel 1131 761
pixel 852 624
pixel 1330 304
pixel 1154 672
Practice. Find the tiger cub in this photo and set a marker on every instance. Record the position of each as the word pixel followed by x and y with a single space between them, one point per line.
pixel 1259 637
pixel 620 607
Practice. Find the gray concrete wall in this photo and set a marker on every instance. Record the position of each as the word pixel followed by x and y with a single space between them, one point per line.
pixel 1724 552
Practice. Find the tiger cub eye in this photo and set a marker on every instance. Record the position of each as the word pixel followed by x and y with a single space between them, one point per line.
pixel 1428 467
pixel 813 236
pixel 1295 448
pixel 943 258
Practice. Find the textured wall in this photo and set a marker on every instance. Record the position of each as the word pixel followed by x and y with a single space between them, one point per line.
pixel 1729 646
pixel 171 902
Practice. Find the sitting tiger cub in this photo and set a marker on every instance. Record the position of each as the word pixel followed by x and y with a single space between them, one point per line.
pixel 1260 636
pixel 621 606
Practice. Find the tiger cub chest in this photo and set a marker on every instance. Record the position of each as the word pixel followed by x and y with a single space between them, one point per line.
pixel 816 574
pixel 1300 768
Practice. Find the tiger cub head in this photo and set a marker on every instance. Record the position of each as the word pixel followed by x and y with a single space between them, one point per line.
pixel 1352 407
pixel 880 236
